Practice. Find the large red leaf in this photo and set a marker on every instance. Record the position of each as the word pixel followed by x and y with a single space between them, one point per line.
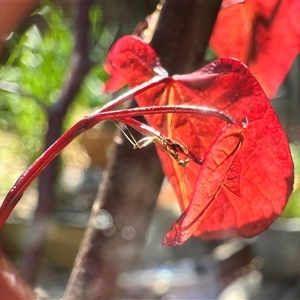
pixel 265 35
pixel 260 178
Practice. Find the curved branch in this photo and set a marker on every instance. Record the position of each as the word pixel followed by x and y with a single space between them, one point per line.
pixel 123 115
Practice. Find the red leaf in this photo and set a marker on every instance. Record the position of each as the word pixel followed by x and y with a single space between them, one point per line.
pixel 12 284
pixel 134 58
pixel 218 163
pixel 265 35
pixel 260 178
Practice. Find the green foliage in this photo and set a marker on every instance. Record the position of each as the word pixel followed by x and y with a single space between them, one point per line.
pixel 292 209
pixel 33 76
pixel 42 59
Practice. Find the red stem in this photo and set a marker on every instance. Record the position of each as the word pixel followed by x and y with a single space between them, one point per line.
pixel 87 123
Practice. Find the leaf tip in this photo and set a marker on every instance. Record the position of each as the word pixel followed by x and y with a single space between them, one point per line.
pixel 173 237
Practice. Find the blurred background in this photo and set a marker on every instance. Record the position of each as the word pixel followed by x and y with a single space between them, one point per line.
pixel 33 69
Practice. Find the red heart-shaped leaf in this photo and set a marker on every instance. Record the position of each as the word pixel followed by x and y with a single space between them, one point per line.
pixel 260 179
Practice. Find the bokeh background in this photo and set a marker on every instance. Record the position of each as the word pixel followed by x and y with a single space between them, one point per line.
pixel 34 68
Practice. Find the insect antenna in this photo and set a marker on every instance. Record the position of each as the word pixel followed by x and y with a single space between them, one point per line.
pixel 128 136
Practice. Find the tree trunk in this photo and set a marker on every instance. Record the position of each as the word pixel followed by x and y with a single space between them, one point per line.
pixel 133 178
